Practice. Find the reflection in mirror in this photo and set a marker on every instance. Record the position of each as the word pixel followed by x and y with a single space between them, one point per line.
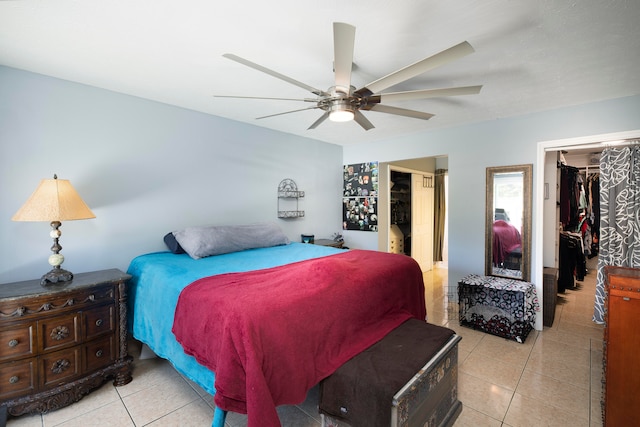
pixel 508 222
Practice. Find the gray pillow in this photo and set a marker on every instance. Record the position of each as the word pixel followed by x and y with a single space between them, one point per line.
pixel 200 242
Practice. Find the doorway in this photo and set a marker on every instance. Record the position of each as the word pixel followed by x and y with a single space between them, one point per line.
pixel 545 218
pixel 406 209
pixel 400 188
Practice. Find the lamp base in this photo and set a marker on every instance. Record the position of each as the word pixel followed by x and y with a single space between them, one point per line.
pixel 56 276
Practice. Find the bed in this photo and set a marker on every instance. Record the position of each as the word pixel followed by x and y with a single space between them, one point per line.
pixel 506 242
pixel 326 306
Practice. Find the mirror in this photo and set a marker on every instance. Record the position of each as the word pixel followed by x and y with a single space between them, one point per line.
pixel 508 222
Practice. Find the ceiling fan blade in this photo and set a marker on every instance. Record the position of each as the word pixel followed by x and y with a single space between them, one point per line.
pixel 287 112
pixel 274 74
pixel 399 111
pixel 320 120
pixel 429 93
pixel 262 97
pixel 417 68
pixel 362 120
pixel 343 45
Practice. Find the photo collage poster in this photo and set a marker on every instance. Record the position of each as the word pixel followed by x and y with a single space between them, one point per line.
pixel 360 197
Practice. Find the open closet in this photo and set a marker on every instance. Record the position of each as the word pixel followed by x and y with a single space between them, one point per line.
pixel 400 205
pixel 578 214
pixel 406 226
pixel 616 227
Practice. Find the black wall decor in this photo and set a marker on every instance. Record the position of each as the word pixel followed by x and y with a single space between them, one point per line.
pixel 360 197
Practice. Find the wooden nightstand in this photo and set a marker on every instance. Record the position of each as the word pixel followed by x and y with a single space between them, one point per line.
pixel 58 343
pixel 328 242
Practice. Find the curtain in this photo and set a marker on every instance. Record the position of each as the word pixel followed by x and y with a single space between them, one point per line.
pixel 440 213
pixel 619 215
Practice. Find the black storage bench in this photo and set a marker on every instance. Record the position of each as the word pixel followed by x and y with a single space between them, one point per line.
pixel 497 305
pixel 409 378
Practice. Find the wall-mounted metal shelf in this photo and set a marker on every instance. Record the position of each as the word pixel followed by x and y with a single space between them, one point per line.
pixel 288 196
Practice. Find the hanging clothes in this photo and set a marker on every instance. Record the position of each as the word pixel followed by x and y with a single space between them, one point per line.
pixel 572 262
pixel 569 197
pixel 576 213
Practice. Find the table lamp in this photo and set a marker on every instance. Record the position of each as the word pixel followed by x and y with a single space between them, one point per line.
pixel 54 200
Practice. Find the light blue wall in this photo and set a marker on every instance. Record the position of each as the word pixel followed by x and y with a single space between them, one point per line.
pixel 145 169
pixel 471 149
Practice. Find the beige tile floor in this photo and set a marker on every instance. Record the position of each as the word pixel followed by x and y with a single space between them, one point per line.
pixel 553 379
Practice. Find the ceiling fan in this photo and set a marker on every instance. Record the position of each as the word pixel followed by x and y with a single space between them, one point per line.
pixel 342 102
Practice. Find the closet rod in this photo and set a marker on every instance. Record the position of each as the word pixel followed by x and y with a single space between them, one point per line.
pixel 594 169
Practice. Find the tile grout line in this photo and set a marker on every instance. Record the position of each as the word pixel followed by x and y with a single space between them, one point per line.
pixel 521 375
pixel 590 376
pixel 128 413
pixel 591 391
pixel 125 406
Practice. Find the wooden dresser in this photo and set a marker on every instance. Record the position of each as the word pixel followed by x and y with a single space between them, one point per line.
pixel 622 347
pixel 60 342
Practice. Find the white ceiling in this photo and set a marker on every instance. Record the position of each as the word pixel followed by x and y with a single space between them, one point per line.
pixel 530 55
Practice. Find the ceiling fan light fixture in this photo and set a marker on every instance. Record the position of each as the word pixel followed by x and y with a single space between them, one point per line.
pixel 341 116
pixel 341 111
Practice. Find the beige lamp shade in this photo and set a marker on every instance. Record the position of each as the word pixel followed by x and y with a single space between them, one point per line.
pixel 54 200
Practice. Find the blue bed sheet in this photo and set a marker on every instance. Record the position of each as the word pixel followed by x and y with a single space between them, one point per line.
pixel 158 278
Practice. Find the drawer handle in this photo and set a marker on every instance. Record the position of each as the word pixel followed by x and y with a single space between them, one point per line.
pixel 60 366
pixel 14 379
pixel 59 333
pixel 99 353
pixel 99 322
pixel 13 343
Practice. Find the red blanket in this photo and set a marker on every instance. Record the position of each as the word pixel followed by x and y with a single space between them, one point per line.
pixel 506 238
pixel 270 335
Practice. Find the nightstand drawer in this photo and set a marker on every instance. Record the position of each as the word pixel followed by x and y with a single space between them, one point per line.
pixel 17 341
pixel 99 321
pixel 99 353
pixel 58 332
pixel 17 378
pixel 59 367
